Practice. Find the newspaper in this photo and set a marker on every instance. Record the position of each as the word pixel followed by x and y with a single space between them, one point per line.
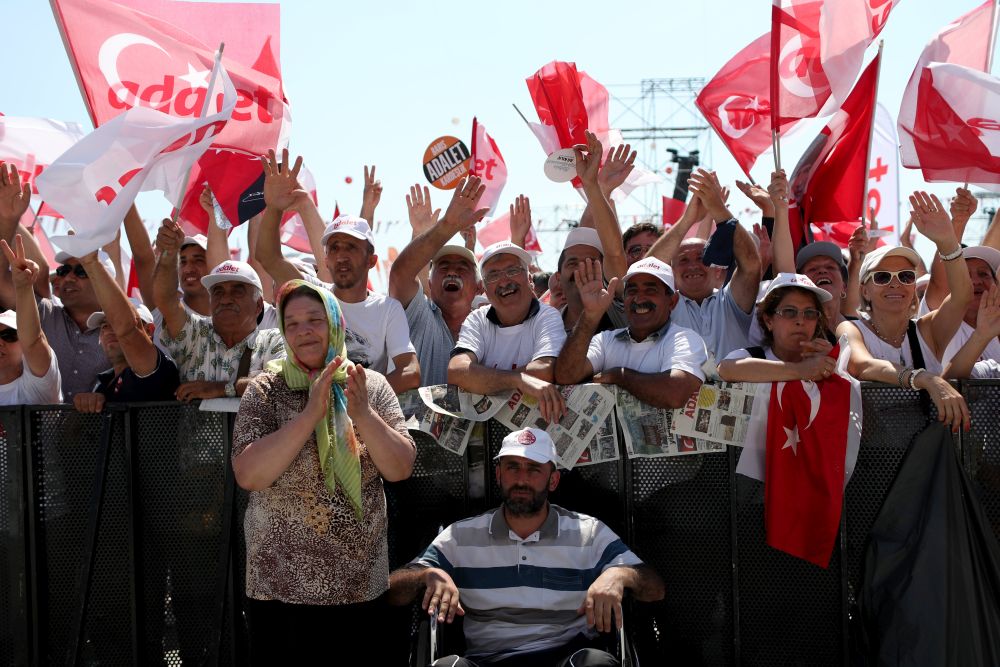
pixel 650 431
pixel 587 409
pixel 718 412
pixel 449 400
pixel 604 447
pixel 450 432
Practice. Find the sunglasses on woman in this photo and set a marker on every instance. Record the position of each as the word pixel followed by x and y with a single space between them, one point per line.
pixel 8 335
pixel 77 270
pixel 905 277
pixel 792 313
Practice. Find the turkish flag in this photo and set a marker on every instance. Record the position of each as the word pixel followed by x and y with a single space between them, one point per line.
pixel 673 209
pixel 807 440
pixel 94 183
pixel 956 133
pixel 232 178
pixel 830 182
pixel 488 164
pixel 156 53
pixel 966 41
pixel 737 102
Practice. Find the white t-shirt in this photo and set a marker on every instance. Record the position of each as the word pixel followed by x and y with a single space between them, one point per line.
pixel 901 356
pixel 540 335
pixel 962 336
pixel 31 390
pixel 376 331
pixel 672 348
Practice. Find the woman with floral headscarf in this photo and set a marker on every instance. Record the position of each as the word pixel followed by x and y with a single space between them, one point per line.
pixel 313 440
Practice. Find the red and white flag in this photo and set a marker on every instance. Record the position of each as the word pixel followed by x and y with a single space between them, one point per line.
pixel 803 441
pixel 32 144
pixel 236 180
pixel 498 229
pixel 293 229
pixel 488 164
pixel 956 129
pixel 883 175
pixel 94 183
pixel 156 54
pixel 967 42
pixel 568 103
pixel 830 182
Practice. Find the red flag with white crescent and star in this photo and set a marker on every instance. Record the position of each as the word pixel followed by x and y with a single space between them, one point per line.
pixel 808 427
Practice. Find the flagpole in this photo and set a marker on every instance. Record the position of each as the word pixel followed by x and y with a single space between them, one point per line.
pixel 775 87
pixel 993 40
pixel 522 116
pixel 204 111
pixel 871 137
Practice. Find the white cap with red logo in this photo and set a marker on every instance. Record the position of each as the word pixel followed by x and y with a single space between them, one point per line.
pixel 231 270
pixel 654 267
pixel 350 225
pixel 529 443
pixel 504 248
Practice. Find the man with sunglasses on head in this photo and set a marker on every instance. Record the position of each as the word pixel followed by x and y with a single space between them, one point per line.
pixel 513 344
pixel 652 358
pixel 29 371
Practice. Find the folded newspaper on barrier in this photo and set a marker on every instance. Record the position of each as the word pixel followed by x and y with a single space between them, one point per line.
pixel 650 431
pixel 718 412
pixel 604 448
pixel 587 409
pixel 447 413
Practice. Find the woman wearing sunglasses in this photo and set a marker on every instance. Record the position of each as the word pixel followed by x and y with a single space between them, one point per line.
pixel 888 345
pixel 794 331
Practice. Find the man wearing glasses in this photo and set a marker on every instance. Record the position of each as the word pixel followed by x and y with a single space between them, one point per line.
pixel 655 360
pixel 513 344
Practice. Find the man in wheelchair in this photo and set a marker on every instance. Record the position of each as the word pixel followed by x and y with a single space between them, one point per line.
pixel 534 582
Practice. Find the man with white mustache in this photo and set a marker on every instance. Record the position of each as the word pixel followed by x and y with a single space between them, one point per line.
pixel 453 281
pixel 654 359
pixel 512 345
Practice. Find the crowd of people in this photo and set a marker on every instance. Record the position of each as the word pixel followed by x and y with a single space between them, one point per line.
pixel 318 359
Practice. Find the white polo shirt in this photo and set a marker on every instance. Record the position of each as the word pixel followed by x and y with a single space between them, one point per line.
pixel 671 348
pixel 505 348
pixel 718 320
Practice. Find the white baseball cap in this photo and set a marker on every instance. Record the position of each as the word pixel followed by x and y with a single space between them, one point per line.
pixel 584 236
pixel 655 268
pixel 350 225
pixel 9 318
pixel 796 280
pixel 501 248
pixel 62 257
pixel 231 270
pixel 97 319
pixel 529 443
pixel 459 250
pixel 876 256
pixel 198 239
pixel 989 255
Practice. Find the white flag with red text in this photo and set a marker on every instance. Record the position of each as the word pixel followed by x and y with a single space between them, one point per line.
pixel 488 164
pixel 32 144
pixel 94 183
pixel 883 174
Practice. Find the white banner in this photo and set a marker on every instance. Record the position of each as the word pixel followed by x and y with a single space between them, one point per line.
pixel 883 174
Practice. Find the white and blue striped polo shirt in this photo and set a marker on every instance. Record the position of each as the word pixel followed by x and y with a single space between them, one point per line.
pixel 523 595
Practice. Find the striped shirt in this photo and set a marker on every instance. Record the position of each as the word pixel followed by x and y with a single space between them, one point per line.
pixel 522 595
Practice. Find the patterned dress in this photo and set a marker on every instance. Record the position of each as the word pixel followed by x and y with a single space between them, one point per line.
pixel 304 546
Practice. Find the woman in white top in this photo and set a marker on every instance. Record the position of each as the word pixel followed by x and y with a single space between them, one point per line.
pixel 971 359
pixel 794 331
pixel 888 345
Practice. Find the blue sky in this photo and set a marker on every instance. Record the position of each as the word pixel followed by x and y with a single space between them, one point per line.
pixel 377 82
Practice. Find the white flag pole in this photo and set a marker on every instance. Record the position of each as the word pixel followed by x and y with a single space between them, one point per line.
pixel 204 111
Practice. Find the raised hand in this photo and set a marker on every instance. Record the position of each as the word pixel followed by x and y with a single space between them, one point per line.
pixel 520 220
pixel 764 199
pixel 858 245
pixel 462 212
pixel 906 238
pixel 962 207
pixel 777 191
pixel 932 220
pixel 618 166
pixel 169 238
pixel 763 244
pixel 23 270
pixel 988 318
pixel 281 184
pixel 588 164
pixel 207 201
pixel 705 185
pixel 14 195
pixel 589 278
pixel 422 214
pixel 371 196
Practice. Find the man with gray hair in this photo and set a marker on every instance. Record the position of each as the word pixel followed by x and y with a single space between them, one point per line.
pixel 216 355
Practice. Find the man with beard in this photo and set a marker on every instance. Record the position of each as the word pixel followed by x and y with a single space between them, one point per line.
pixel 720 316
pixel 653 359
pixel 453 281
pixel 216 355
pixel 512 345
pixel 376 330
pixel 139 370
pixel 547 580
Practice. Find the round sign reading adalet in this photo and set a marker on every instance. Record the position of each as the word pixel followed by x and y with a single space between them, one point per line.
pixel 561 166
pixel 446 162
